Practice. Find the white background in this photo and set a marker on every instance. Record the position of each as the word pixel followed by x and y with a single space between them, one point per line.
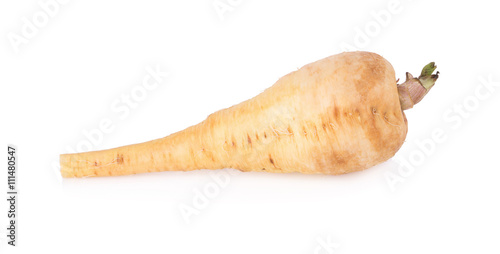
pixel 63 79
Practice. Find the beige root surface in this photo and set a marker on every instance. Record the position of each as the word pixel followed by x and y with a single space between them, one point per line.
pixel 337 115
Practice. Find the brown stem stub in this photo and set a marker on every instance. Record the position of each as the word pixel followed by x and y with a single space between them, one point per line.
pixel 413 90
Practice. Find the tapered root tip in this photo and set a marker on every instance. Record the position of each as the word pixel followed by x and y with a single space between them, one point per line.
pixel 66 169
